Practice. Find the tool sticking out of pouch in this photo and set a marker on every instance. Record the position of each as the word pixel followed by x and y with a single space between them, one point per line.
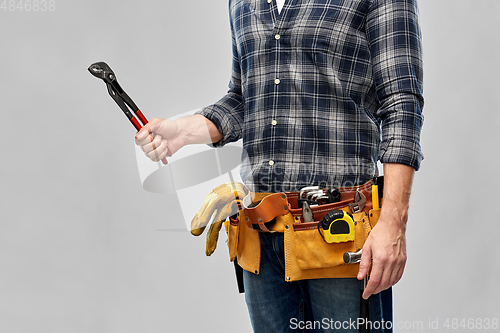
pixel 313 195
pixel 304 192
pixel 307 212
pixel 375 193
pixel 353 257
pixel 359 202
pixel 102 71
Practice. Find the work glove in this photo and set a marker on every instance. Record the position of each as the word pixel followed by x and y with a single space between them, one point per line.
pixel 214 229
pixel 222 202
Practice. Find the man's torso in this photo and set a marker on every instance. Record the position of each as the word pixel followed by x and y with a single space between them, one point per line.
pixel 307 84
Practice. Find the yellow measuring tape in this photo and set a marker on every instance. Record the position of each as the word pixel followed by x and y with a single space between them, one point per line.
pixel 337 227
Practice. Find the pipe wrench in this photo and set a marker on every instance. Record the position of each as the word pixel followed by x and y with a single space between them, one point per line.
pixel 102 71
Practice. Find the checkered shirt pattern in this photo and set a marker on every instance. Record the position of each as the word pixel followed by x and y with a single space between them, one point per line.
pixel 322 90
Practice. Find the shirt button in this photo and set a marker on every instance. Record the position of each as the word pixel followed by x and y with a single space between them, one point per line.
pixel 277 81
pixel 274 122
pixel 271 162
pixel 277 36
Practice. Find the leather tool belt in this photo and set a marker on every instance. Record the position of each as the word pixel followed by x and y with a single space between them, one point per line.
pixel 307 255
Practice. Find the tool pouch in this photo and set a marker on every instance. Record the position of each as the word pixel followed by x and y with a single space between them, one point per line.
pixel 308 256
pixel 243 231
pixel 312 252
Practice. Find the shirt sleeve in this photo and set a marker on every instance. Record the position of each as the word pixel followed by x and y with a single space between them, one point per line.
pixel 395 43
pixel 228 113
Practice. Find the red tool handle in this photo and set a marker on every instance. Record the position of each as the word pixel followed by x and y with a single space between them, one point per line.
pixel 138 126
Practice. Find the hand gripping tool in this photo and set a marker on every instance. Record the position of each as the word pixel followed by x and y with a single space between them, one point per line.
pixel 102 71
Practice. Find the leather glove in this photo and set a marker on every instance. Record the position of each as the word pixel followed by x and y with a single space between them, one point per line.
pixel 213 237
pixel 222 202
pixel 214 229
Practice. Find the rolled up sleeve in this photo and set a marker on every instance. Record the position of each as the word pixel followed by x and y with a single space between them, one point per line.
pixel 395 43
pixel 227 114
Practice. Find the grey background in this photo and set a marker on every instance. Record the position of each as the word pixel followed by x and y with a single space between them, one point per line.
pixel 83 246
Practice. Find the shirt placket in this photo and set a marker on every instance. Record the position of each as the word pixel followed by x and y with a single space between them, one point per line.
pixel 278 29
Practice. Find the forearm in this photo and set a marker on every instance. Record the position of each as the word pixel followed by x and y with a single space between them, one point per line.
pixel 398 180
pixel 197 129
pixel 385 248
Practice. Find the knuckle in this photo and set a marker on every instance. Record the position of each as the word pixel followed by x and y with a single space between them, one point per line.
pixel 381 257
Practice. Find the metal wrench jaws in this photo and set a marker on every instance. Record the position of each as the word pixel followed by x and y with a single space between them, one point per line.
pixel 102 71
pixel 359 202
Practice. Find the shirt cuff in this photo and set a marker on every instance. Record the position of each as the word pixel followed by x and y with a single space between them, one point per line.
pixel 401 151
pixel 222 122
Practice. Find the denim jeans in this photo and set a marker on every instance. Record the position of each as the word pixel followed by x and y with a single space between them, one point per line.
pixel 322 305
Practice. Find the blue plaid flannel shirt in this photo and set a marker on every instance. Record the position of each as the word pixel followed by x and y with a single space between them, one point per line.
pixel 322 90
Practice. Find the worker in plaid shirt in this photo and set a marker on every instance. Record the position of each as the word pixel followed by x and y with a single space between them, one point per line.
pixel 320 91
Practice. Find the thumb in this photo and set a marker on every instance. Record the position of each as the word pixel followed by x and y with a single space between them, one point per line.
pixel 158 127
pixel 151 126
